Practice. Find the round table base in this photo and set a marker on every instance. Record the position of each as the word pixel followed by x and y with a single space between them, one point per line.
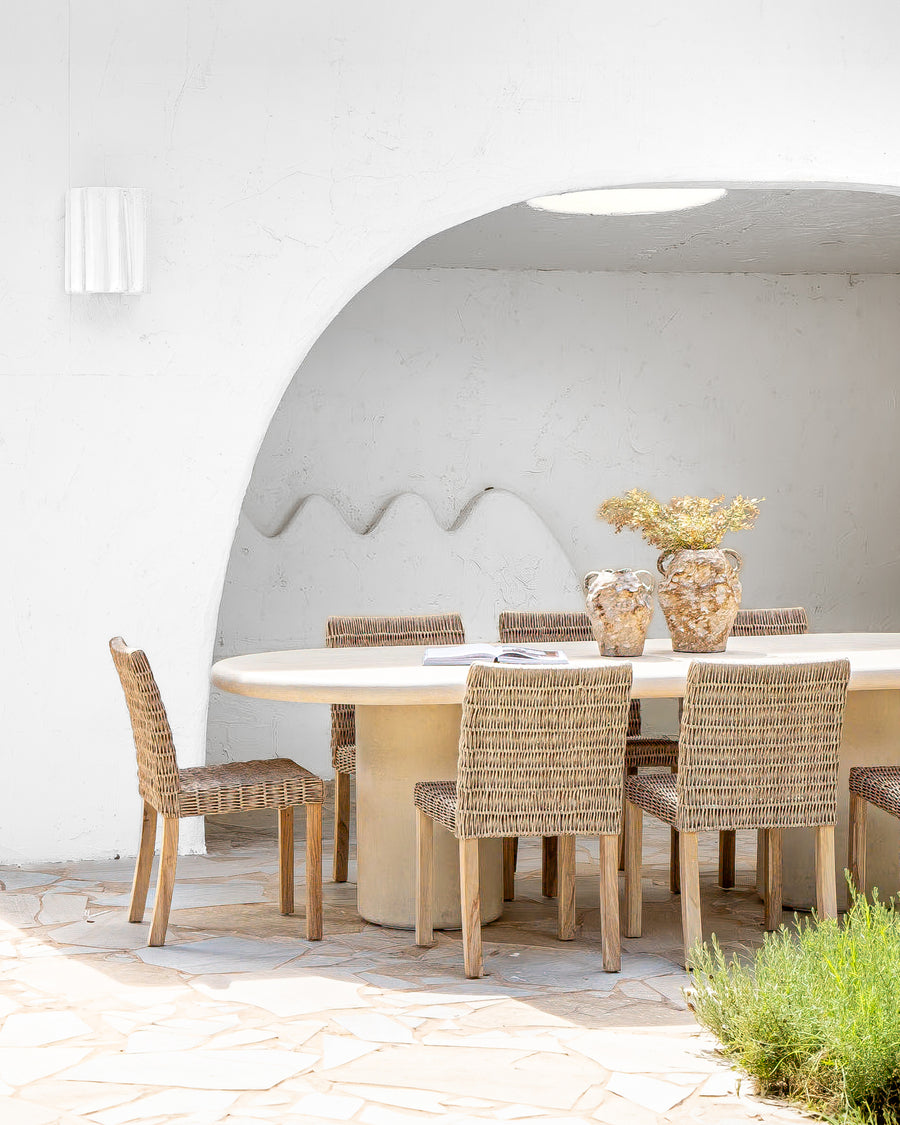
pixel 395 748
pixel 871 736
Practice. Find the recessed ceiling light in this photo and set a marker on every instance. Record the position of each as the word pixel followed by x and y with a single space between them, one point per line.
pixel 627 201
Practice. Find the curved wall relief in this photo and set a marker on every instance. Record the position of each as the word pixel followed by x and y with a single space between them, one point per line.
pixel 280 590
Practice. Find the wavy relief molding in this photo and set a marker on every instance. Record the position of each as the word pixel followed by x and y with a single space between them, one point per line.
pixel 361 527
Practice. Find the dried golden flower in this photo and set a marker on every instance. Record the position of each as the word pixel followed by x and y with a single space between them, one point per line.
pixel 694 523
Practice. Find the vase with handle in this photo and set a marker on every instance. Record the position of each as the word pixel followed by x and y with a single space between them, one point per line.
pixel 700 594
pixel 619 604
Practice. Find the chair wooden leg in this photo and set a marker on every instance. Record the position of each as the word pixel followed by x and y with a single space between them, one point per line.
pixel 689 864
pixel 629 770
pixel 509 868
pixel 761 861
pixel 143 864
pixel 313 872
pixel 470 901
pixel 286 860
pixel 773 879
pixel 826 879
pixel 165 881
pixel 609 904
pixel 341 826
pixel 674 859
pixel 549 877
pixel 634 830
pixel 515 841
pixel 727 847
pixel 856 859
pixel 566 903
pixel 425 878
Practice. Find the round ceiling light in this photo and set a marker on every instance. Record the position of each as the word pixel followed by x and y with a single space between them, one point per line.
pixel 627 201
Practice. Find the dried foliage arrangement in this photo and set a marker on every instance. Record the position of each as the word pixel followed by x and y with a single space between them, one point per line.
pixel 694 523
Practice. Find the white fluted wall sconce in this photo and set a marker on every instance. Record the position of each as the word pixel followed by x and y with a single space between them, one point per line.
pixel 106 240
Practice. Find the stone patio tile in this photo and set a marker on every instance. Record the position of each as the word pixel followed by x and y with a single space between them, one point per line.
pixel 18 911
pixel 18 1112
pixel 242 1038
pixel 21 1065
pixel 374 1028
pixel 639 1053
pixel 199 1070
pixel 220 955
pixel 340 1049
pixel 189 896
pixel 35 1029
pixel 719 1084
pixel 212 1025
pixel 109 930
pixel 517 1113
pixel 334 1107
pixel 380 1115
pixel 499 1041
pixel 671 986
pixel 16 879
pixel 553 1081
pixel 154 1039
pixel 70 981
pixel 296 1032
pixel 426 1101
pixel 651 1093
pixel 619 1111
pixel 175 1103
pixel 61 908
pixel 284 994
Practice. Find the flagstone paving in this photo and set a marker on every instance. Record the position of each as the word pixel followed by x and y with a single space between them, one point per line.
pixel 239 1020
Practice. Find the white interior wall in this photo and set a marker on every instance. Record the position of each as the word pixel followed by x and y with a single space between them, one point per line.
pixel 292 152
pixel 552 385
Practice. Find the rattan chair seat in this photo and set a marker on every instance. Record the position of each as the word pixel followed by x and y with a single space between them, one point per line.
pixel 650 750
pixel 437 799
pixel 784 622
pixel 343 758
pixel 273 783
pixel 879 785
pixel 656 793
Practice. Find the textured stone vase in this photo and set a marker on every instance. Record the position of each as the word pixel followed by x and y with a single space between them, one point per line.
pixel 700 594
pixel 620 605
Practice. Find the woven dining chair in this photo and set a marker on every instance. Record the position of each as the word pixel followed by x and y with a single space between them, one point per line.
pixel 758 749
pixel 561 627
pixel 173 793
pixel 361 632
pixel 541 753
pixel 791 621
pixel 869 785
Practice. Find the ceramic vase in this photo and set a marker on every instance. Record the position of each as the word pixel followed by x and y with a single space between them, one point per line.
pixel 619 605
pixel 700 594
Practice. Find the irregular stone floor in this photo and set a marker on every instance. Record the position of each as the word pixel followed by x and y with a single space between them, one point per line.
pixel 239 1020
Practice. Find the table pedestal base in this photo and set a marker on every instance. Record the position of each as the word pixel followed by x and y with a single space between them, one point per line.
pixel 871 737
pixel 395 748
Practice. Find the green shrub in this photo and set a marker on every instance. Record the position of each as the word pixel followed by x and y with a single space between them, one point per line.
pixel 816 1016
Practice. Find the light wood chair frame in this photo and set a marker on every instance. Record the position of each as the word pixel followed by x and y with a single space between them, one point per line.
pixel 869 785
pixel 759 748
pixel 541 753
pixel 172 793
pixel 367 632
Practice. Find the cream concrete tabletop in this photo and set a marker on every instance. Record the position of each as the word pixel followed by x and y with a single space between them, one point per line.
pixel 408 727
pixel 396 676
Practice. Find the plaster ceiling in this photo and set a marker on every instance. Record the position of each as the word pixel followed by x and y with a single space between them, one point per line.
pixel 808 230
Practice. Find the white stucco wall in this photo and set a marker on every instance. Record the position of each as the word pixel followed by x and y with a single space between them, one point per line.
pixel 292 152
pixel 551 385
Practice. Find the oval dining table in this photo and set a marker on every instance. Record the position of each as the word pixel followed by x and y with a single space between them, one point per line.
pixel 407 730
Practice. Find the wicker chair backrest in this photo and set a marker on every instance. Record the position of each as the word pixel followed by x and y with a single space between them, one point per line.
pixel 556 627
pixel 770 622
pixel 359 632
pixel 157 764
pixel 759 745
pixel 542 751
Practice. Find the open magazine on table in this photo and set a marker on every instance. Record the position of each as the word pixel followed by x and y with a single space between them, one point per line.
pixel 450 655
